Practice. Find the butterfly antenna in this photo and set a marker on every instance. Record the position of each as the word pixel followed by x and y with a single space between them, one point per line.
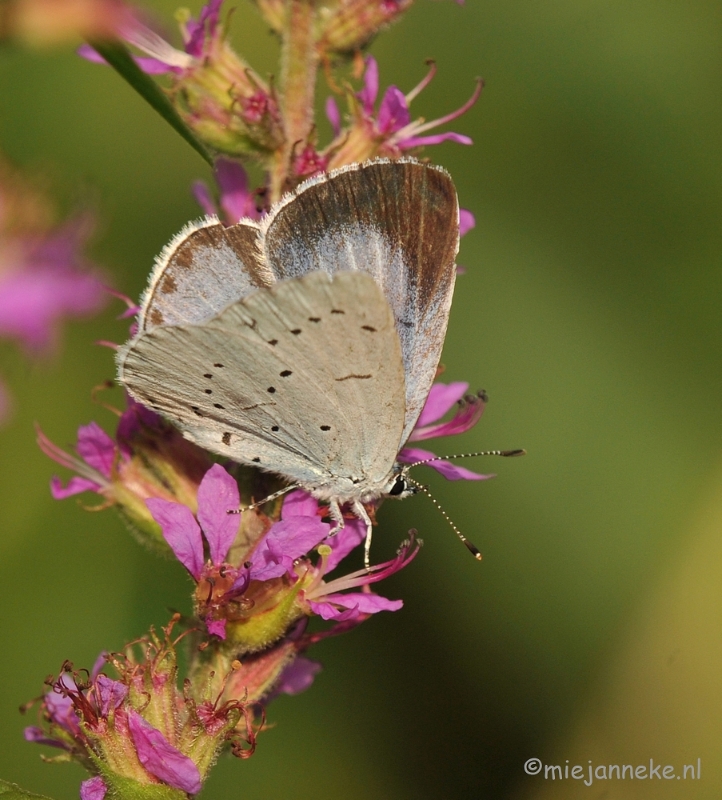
pixel 265 500
pixel 502 453
pixel 469 546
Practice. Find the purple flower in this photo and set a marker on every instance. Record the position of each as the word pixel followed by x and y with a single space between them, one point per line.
pixel 467 221
pixel 278 579
pixel 392 122
pixel 97 453
pixel 219 582
pixel 217 495
pixel 298 676
pixel 93 789
pixel 160 758
pixel 43 281
pixel 44 278
pixel 147 458
pixel 441 400
pixel 236 201
pixel 226 104
pixel 95 716
pixel 332 600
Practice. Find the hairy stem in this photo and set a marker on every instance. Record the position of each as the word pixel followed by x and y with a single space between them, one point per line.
pixel 299 65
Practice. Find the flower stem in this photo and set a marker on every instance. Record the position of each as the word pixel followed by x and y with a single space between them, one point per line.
pixel 299 65
pixel 119 58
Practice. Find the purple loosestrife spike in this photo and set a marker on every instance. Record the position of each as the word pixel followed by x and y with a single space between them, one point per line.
pixel 141 729
pixel 224 102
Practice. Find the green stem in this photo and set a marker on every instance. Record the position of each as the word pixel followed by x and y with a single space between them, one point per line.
pixel 118 56
pixel 299 65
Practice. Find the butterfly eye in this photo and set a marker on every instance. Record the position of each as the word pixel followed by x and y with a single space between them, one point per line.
pixel 401 488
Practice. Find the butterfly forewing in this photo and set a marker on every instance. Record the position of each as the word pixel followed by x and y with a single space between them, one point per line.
pixel 304 379
pixel 398 222
pixel 202 271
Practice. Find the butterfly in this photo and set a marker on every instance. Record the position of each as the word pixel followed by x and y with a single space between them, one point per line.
pixel 306 343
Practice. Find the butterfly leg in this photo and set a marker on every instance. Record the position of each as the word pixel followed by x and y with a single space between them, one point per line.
pixel 335 512
pixel 360 512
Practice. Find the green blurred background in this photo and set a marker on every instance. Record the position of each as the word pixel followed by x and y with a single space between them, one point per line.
pixel 590 314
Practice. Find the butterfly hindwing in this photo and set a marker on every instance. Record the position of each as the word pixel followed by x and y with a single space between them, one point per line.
pixel 202 271
pixel 304 379
pixel 398 222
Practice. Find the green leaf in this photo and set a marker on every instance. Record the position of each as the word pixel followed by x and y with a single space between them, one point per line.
pixel 119 57
pixel 11 791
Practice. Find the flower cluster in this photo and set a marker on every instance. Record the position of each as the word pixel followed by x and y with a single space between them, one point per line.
pixel 273 570
pixel 235 113
pixel 259 578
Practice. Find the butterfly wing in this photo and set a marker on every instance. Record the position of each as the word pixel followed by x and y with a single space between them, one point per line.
pixel 304 379
pixel 396 221
pixel 205 268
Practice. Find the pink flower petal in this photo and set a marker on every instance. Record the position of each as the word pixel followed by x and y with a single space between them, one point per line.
pixel 74 486
pixel 299 504
pixel 286 541
pixel 217 495
pixel 393 111
pixel 160 758
pixel 327 611
pixel 181 531
pixel 110 694
pixel 467 221
pixel 410 455
pixel 216 627
pixel 422 141
pixel 366 603
pixel 344 541
pixel 467 415
pixel 236 200
pixel 298 676
pixel 370 90
pixel 38 736
pixel 96 448
pixel 442 397
pixel 93 789
pixel 203 197
pixel 334 115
